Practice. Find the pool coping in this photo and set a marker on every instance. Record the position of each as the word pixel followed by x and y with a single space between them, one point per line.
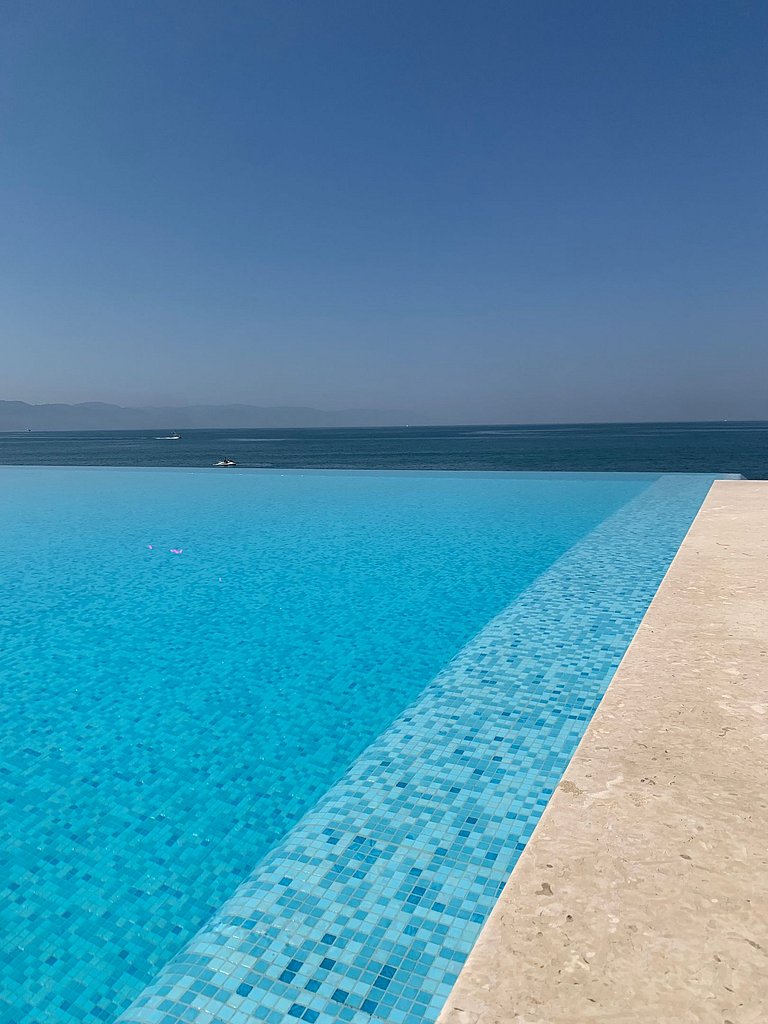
pixel 641 894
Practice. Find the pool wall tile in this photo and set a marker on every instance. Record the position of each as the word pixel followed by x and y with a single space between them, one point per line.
pixel 367 909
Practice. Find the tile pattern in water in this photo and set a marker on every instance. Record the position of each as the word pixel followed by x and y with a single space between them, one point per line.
pixel 145 765
pixel 368 908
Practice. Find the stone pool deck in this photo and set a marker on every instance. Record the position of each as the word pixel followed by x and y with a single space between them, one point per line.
pixel 642 895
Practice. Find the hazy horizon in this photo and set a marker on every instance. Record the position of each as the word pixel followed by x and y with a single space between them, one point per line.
pixel 495 213
pixel 159 416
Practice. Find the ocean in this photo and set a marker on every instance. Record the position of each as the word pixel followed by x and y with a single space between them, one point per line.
pixel 739 447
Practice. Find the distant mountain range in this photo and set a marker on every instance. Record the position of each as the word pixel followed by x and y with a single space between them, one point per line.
pixel 102 416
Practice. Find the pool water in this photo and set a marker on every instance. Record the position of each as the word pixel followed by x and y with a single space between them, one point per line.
pixel 190 659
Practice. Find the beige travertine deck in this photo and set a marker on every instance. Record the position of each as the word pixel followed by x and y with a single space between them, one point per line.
pixel 643 894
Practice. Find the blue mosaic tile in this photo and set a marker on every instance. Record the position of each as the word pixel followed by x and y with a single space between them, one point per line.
pixel 189 661
pixel 367 909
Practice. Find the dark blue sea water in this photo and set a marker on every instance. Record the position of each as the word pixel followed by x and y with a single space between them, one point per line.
pixel 646 447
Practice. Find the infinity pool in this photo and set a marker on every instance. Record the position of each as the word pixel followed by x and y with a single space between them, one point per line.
pixel 191 659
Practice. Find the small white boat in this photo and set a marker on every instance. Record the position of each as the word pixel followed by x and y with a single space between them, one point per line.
pixel 170 437
pixel 224 463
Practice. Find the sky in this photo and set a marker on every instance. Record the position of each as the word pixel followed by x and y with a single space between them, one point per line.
pixel 476 211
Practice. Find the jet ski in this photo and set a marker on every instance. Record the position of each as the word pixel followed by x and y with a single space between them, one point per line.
pixel 224 463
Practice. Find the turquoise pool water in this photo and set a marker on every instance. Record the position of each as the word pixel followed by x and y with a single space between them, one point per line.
pixel 191 659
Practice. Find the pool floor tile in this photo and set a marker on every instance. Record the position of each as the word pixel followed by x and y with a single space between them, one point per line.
pixel 367 909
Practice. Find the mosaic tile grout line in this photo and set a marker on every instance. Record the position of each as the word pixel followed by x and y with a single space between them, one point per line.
pixel 368 907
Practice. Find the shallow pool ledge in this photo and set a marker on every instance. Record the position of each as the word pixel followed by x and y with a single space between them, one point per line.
pixel 641 895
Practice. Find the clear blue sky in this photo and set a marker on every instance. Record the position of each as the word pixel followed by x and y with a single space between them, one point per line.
pixel 473 211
